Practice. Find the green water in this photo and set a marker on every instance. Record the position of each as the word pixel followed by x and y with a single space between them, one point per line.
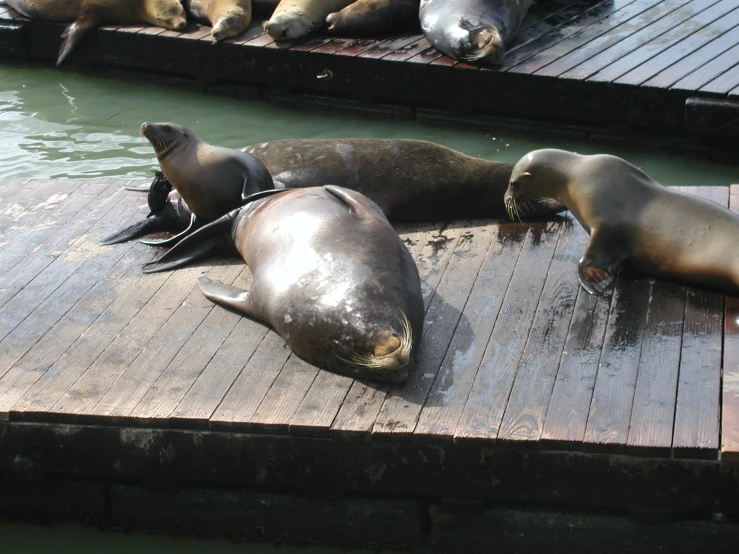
pixel 57 123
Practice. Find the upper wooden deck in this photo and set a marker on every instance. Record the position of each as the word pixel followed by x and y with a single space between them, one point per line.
pixel 665 66
pixel 526 388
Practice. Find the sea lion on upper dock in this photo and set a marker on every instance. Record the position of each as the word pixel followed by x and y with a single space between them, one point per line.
pixel 86 14
pixel 331 276
pixel 474 31
pixel 374 17
pixel 228 18
pixel 296 18
pixel 633 219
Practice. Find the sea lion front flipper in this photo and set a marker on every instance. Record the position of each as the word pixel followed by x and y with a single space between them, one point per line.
pixel 600 262
pixel 171 241
pixel 358 204
pixel 231 297
pixel 195 247
pixel 74 32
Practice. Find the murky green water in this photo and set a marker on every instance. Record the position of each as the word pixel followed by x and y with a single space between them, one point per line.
pixel 57 123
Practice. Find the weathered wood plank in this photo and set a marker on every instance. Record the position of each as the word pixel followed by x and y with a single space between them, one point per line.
pixel 697 413
pixel 632 43
pixel 526 410
pixel 488 397
pixel 730 385
pixel 613 396
pixel 724 83
pixel 408 51
pixel 321 404
pixel 708 72
pixel 25 201
pixel 632 62
pixel 443 408
pixel 389 46
pixel 403 405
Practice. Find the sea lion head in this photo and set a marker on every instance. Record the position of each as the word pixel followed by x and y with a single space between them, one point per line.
pixel 226 27
pixel 287 25
pixel 169 14
pixel 477 43
pixel 535 180
pixel 166 137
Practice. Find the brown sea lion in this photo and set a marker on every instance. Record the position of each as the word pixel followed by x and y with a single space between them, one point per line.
pixel 227 17
pixel 330 275
pixel 296 18
pixel 86 14
pixel 632 218
pixel 472 30
pixel 211 180
pixel 374 17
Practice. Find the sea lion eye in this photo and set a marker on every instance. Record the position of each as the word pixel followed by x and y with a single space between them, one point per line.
pixel 184 133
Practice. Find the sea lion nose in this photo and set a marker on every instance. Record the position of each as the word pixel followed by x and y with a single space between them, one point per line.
pixel 144 127
pixel 180 25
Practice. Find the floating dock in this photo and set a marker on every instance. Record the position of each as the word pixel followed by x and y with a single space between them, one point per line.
pixel 588 68
pixel 131 400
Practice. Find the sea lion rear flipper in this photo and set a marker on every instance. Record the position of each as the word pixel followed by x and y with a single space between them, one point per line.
pixel 139 229
pixel 195 247
pixel 74 32
pixel 358 204
pixel 171 241
pixel 226 295
pixel 599 264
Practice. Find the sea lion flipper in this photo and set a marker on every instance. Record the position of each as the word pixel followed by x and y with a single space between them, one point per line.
pixel 594 279
pixel 74 32
pixel 171 241
pixel 600 262
pixel 358 205
pixel 146 227
pixel 226 295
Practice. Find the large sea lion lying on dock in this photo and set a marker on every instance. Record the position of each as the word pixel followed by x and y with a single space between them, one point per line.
pixel 472 30
pixel 633 219
pixel 374 17
pixel 86 14
pixel 227 17
pixel 296 18
pixel 330 275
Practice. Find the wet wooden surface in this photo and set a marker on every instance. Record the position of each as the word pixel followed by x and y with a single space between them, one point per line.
pixel 603 63
pixel 513 353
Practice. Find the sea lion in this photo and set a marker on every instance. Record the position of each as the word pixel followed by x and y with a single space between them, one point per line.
pixel 410 180
pixel 227 17
pixel 296 18
pixel 86 14
pixel 374 17
pixel 211 180
pixel 330 275
pixel 632 218
pixel 167 212
pixel 472 30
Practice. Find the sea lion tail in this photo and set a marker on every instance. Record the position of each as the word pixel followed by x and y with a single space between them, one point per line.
pixel 195 246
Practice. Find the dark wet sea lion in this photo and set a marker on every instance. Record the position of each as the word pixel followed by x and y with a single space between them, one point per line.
pixel 228 18
pixel 330 275
pixel 211 180
pixel 167 212
pixel 86 14
pixel 374 17
pixel 472 30
pixel 296 18
pixel 411 180
pixel 633 219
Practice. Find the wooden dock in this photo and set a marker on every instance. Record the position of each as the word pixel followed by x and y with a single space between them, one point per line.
pixel 527 389
pixel 588 68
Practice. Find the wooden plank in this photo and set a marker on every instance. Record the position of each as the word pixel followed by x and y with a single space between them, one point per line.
pixel 684 48
pixel 578 39
pixel 730 385
pixel 403 405
pixel 425 57
pixel 25 201
pixel 724 83
pixel 179 346
pixel 613 396
pixel 443 408
pixel 389 46
pixel 526 410
pixel 583 20
pixel 487 400
pixel 632 61
pixel 696 429
pixel 408 51
pixel 728 62
pixel 321 404
pixel 585 48
pixel 698 59
pixel 632 43
pixel 652 415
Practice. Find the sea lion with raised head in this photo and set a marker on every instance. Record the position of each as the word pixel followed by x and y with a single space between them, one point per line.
pixel 212 180
pixel 330 275
pixel 296 18
pixel 374 17
pixel 473 31
pixel 86 14
pixel 631 218
pixel 228 18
